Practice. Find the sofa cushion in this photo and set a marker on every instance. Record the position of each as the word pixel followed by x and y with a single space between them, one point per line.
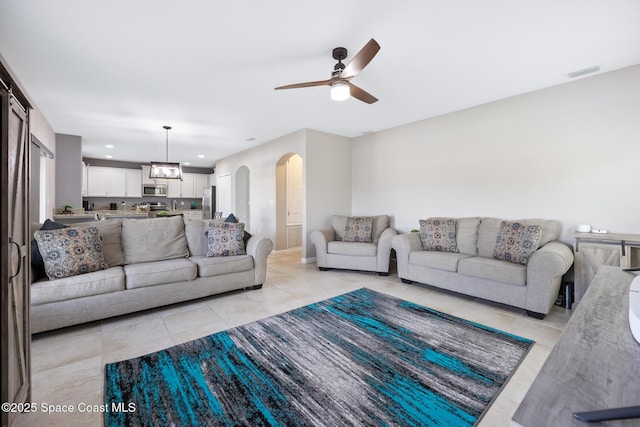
pixel 380 223
pixel 153 239
pixel 159 272
pixel 352 248
pixel 215 266
pixel 225 239
pixel 110 232
pixel 516 242
pixel 493 269
pixel 467 235
pixel 434 259
pixel 98 282
pixel 358 229
pixel 490 227
pixel 438 234
pixel 194 230
pixel 70 251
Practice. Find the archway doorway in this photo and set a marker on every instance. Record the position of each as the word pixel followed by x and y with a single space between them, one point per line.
pixel 243 196
pixel 289 201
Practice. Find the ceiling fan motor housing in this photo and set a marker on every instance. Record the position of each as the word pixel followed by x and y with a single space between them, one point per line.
pixel 339 53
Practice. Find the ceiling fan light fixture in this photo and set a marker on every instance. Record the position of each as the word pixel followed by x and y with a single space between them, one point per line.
pixel 340 91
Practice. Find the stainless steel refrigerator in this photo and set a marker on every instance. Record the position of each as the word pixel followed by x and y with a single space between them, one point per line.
pixel 209 202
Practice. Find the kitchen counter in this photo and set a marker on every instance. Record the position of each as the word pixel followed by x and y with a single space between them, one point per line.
pixel 104 214
pixel 73 218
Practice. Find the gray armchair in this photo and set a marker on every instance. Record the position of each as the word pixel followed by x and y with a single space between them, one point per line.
pixel 338 247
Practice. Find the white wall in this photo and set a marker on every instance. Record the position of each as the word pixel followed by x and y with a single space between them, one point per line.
pixel 43 131
pixel 327 180
pixel 327 184
pixel 261 162
pixel 571 152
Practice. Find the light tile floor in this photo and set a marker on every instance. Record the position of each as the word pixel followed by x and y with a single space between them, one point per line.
pixel 68 365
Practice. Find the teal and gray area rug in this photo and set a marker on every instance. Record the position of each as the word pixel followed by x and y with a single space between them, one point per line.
pixel 359 359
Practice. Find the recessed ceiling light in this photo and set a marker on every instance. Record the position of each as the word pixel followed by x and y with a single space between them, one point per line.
pixel 250 139
pixel 186 163
pixel 110 146
pixel 109 156
pixel 201 156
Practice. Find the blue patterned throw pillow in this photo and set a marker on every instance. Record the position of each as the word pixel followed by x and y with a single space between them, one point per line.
pixel 358 229
pixel 70 251
pixel 225 239
pixel 516 242
pixel 438 234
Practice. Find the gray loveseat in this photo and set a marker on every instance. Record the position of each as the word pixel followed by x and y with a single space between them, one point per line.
pixel 333 251
pixel 151 263
pixel 474 269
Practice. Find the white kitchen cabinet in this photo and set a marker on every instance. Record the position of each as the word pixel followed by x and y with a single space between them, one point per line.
pixel 174 188
pixel 133 183
pixel 185 189
pixel 187 186
pixel 193 214
pixel 200 182
pixel 112 182
pixel 146 170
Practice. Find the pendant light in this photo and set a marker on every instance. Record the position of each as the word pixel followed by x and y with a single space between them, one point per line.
pixel 166 170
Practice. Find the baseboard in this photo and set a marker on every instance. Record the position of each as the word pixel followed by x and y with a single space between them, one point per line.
pixel 309 260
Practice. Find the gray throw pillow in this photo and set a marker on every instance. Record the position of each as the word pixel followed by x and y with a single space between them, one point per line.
pixel 516 242
pixel 438 234
pixel 358 229
pixel 70 251
pixel 225 239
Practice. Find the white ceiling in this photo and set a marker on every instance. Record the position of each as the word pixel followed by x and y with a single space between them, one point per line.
pixel 115 72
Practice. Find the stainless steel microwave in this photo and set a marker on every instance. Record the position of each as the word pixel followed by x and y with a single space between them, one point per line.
pixel 155 190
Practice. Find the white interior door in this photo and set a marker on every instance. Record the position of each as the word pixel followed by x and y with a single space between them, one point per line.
pixel 223 195
pixel 294 190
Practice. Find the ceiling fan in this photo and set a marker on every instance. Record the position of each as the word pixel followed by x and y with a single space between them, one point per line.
pixel 341 86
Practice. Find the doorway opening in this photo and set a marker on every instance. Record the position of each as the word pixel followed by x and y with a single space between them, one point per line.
pixel 289 201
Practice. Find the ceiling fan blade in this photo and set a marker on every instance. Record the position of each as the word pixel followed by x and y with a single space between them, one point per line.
pixel 307 84
pixel 362 58
pixel 362 94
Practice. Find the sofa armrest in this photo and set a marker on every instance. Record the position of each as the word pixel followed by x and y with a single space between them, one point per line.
pixel 321 239
pixel 546 267
pixel 384 249
pixel 259 248
pixel 404 244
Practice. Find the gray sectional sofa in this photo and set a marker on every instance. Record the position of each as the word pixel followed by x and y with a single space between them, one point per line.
pixel 475 270
pixel 151 263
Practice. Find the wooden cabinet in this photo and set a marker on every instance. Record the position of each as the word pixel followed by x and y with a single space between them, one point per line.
pixel 593 251
pixel 113 182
